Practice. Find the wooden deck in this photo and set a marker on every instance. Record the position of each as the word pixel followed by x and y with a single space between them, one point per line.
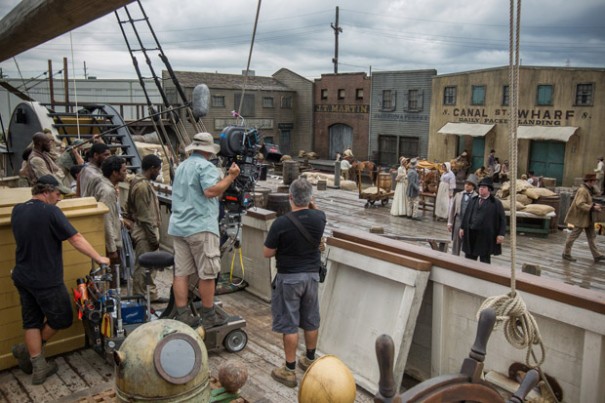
pixel 84 374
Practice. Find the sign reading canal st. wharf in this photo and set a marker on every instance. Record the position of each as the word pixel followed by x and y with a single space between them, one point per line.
pixel 527 117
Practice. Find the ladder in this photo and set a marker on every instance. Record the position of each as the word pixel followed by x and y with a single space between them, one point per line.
pixel 101 119
pixel 133 23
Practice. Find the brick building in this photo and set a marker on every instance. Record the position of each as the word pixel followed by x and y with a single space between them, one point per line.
pixel 341 114
pixel 561 118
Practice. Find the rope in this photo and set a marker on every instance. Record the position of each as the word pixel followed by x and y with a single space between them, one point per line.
pixel 519 326
pixel 73 69
pixel 241 101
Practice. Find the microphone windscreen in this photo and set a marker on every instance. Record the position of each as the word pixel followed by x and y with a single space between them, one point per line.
pixel 200 100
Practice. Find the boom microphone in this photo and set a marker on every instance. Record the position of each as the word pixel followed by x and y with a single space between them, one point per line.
pixel 200 98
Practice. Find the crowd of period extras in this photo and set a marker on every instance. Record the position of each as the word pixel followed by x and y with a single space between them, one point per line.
pixel 476 218
pixel 91 170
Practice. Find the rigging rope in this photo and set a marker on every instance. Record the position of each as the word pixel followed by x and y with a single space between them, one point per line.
pixel 519 326
pixel 241 101
pixel 73 69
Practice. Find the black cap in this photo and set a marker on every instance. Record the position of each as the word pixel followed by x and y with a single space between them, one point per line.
pixel 51 180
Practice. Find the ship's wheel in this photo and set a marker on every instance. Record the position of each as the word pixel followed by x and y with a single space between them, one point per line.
pixel 467 386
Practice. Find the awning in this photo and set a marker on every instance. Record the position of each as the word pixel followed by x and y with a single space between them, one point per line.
pixel 466 129
pixel 546 133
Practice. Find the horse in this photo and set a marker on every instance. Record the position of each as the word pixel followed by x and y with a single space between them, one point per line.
pixel 359 167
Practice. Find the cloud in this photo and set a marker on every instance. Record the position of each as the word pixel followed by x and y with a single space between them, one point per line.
pixel 448 36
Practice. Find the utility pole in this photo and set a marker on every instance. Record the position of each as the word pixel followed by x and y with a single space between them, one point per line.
pixel 66 85
pixel 337 31
pixel 51 85
pixel 85 75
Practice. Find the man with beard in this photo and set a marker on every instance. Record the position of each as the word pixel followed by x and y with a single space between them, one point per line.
pixel 40 161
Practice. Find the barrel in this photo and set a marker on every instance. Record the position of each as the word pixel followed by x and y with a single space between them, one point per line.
pixel 553 201
pixel 263 172
pixel 262 195
pixel 278 202
pixel 385 181
pixel 290 172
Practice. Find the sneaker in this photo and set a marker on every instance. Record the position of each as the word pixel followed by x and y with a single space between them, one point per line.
pixel 22 356
pixel 570 258
pixel 187 317
pixel 284 376
pixel 304 362
pixel 599 258
pixel 42 369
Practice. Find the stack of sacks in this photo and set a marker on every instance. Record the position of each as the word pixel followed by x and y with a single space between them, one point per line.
pixel 526 197
pixel 313 177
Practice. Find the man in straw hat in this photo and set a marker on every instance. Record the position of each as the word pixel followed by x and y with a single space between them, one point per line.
pixel 580 216
pixel 483 225
pixel 193 223
pixel 459 205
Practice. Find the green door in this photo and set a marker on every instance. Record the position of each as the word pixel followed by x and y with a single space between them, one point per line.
pixel 477 153
pixel 546 159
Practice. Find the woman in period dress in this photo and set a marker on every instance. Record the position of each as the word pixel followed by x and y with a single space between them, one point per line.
pixel 447 185
pixel 400 200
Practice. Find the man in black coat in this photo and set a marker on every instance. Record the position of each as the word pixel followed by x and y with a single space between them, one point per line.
pixel 483 225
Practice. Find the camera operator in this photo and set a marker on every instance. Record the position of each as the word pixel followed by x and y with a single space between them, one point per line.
pixel 196 190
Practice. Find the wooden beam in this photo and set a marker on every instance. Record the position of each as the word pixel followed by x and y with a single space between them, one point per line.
pixel 33 22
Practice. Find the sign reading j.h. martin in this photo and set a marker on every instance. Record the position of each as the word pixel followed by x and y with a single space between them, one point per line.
pixel 540 117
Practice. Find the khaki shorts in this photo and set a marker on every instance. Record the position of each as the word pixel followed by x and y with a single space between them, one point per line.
pixel 198 253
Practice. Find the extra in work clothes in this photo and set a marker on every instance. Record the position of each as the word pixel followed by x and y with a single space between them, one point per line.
pixel 294 300
pixel 484 220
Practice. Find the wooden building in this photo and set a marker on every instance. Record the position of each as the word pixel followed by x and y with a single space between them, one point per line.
pixel 561 118
pixel 269 105
pixel 399 123
pixel 341 114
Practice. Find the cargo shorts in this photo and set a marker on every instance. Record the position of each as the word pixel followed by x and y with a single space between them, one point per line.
pixel 51 305
pixel 295 302
pixel 198 253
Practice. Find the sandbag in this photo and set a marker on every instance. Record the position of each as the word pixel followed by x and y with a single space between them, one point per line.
pixel 506 204
pixel 531 193
pixel 523 199
pixel 148 148
pixel 539 209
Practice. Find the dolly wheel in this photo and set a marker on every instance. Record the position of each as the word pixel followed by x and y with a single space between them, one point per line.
pixel 384 202
pixel 235 341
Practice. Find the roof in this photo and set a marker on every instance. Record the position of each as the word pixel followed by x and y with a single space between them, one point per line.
pixel 190 79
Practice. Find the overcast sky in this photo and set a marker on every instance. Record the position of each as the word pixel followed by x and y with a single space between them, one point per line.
pixel 384 35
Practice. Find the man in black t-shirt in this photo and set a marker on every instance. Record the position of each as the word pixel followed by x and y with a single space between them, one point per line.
pixel 39 228
pixel 294 299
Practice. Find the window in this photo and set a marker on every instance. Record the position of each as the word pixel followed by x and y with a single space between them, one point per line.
pixel 478 95
pixel 341 94
pixel 359 93
pixel 388 100
pixel 584 94
pixel 324 93
pixel 286 102
pixel 544 95
pixel 449 96
pixel 267 102
pixel 387 149
pixel 218 101
pixel 414 100
pixel 505 95
pixel 409 146
pixel 247 105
